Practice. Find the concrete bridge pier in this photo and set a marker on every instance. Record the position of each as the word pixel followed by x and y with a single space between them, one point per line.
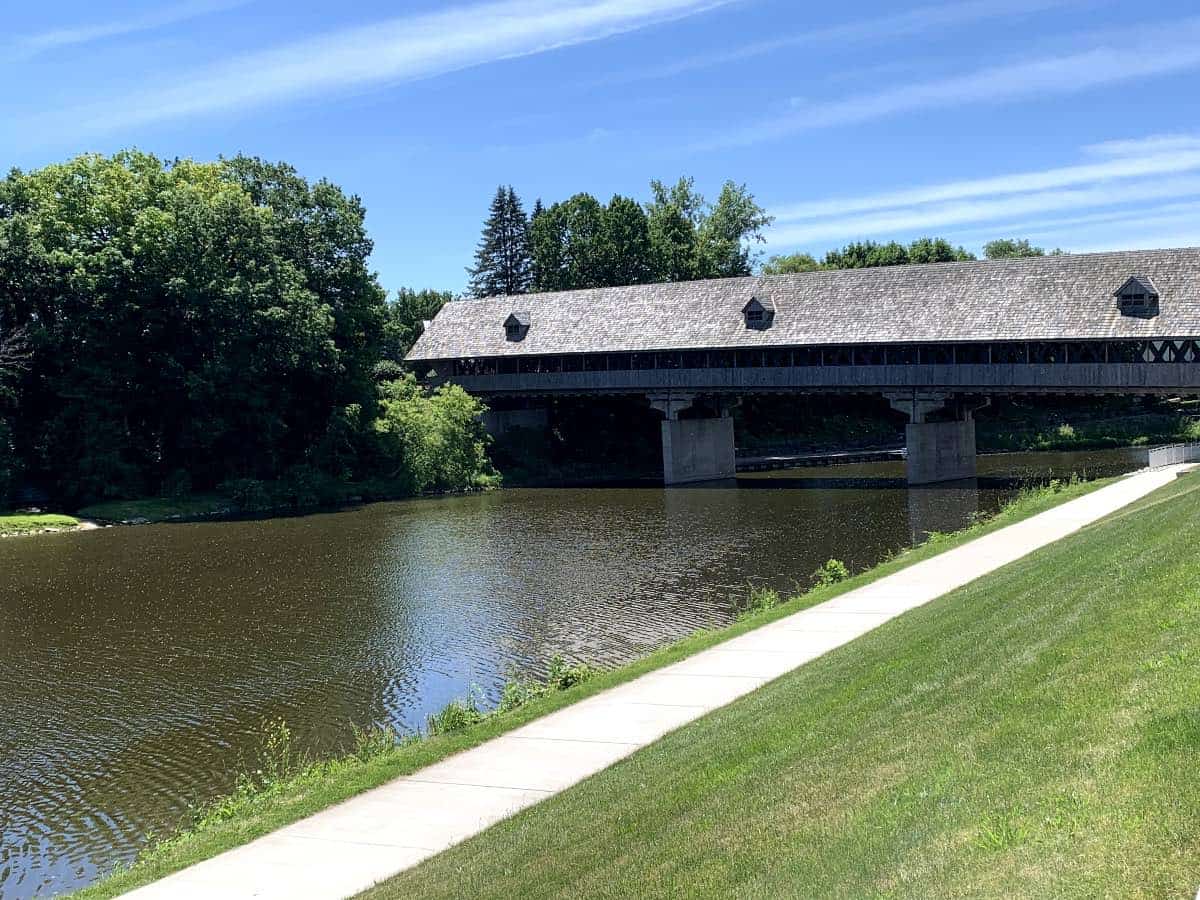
pixel 940 436
pixel 696 447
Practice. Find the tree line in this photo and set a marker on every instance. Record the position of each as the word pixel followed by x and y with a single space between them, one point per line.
pixel 180 325
pixel 677 235
pixel 174 326
pixel 868 254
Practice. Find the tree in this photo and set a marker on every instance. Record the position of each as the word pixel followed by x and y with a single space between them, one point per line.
pixel 936 250
pixel 868 254
pixel 692 239
pixel 211 318
pixel 14 357
pixel 725 232
pixel 502 262
pixel 673 215
pixel 406 318
pixel 1011 248
pixel 627 250
pixel 570 247
pixel 14 353
pixel 791 264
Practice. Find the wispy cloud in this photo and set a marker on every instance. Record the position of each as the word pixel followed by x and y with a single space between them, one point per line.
pixel 860 31
pixel 386 52
pixel 1182 156
pixel 1138 54
pixel 26 47
pixel 1140 182
pixel 947 215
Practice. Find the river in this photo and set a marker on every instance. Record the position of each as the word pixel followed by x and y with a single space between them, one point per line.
pixel 139 663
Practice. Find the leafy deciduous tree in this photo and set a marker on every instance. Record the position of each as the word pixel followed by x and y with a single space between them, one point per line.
pixel 790 264
pixel 406 315
pixel 1012 248
pixel 204 317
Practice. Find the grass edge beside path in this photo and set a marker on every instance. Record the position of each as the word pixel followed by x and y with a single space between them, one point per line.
pixel 239 819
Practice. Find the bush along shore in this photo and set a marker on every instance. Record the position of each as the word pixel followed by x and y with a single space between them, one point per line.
pixel 285 786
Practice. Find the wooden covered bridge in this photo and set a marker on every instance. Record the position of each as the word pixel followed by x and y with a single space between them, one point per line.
pixel 936 340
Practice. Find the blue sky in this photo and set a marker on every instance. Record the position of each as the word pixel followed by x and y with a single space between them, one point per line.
pixel 1072 122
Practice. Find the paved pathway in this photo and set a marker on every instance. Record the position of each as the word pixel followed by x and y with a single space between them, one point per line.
pixel 349 847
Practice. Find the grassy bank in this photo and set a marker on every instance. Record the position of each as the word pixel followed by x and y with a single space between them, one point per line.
pixel 1083 434
pixel 36 523
pixel 1035 733
pixel 252 813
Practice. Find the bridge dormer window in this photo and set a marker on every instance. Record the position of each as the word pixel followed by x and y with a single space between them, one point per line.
pixel 516 326
pixel 758 313
pixel 1138 297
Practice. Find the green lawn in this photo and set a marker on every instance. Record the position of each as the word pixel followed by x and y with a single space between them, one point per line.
pixel 26 523
pixel 237 820
pixel 1034 734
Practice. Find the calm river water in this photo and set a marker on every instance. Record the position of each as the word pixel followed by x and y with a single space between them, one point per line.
pixel 138 663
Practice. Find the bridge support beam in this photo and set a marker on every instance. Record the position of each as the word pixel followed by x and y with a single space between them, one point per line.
pixel 694 449
pixel 940 436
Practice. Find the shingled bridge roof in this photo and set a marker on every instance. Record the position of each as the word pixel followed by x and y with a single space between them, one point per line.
pixel 1037 299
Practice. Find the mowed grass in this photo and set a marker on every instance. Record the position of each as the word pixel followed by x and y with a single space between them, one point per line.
pixel 29 523
pixel 1034 734
pixel 233 821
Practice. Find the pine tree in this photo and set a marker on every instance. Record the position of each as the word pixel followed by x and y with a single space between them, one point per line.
pixel 502 261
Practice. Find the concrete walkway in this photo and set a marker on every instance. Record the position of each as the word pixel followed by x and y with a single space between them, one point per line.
pixel 351 846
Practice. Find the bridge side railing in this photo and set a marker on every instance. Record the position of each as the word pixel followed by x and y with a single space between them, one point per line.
pixel 1172 455
pixel 1038 353
pixel 1094 378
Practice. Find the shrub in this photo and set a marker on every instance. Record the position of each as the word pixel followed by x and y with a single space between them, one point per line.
pixel 519 691
pixel 562 676
pixel 431 440
pixel 248 494
pixel 458 715
pixel 373 742
pixel 278 758
pixel 760 600
pixel 303 487
pixel 832 572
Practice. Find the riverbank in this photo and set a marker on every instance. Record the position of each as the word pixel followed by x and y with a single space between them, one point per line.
pixel 1032 733
pixel 255 499
pixel 244 817
pixel 23 523
pixel 1111 432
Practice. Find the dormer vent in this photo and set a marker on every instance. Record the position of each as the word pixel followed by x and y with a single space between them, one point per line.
pixel 759 313
pixel 516 326
pixel 1138 297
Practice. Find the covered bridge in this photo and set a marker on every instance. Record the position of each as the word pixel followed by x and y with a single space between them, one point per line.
pixel 934 339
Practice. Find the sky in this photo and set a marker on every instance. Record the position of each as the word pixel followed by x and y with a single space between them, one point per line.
pixel 1073 123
